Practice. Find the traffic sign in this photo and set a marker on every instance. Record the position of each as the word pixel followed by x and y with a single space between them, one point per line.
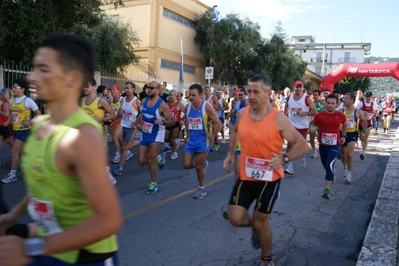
pixel 209 73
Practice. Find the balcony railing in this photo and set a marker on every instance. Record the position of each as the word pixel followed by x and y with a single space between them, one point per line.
pixel 346 60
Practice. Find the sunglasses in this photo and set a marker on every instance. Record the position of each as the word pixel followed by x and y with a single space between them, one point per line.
pixel 151 87
pixel 241 94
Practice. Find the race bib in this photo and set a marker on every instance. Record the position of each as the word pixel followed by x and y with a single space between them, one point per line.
pixel 329 139
pixel 369 115
pixel 258 169
pixel 116 111
pixel 388 110
pixel 42 212
pixel 350 122
pixel 294 111
pixel 15 117
pixel 126 115
pixel 195 123
pixel 146 127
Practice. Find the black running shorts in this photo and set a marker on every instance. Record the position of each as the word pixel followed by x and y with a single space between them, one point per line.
pixel 265 194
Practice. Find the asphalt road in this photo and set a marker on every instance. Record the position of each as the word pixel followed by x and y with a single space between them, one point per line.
pixel 172 228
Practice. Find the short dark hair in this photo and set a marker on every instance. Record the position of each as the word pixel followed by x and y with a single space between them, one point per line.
pixel 92 82
pixel 351 96
pixel 131 83
pixel 242 89
pixel 337 91
pixel 101 89
pixel 332 96
pixel 317 91
pixel 23 84
pixel 197 87
pixel 265 80
pixel 74 53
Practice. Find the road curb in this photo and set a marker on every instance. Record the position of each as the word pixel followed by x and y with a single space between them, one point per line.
pixel 380 243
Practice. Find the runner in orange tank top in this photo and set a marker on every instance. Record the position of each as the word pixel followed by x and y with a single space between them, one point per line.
pixel 261 129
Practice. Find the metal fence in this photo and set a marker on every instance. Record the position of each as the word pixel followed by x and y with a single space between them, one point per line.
pixel 10 71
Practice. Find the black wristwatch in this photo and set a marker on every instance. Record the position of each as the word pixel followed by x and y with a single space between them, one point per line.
pixel 35 246
pixel 343 136
pixel 285 158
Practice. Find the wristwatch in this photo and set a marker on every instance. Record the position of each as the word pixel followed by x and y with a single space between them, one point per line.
pixel 35 246
pixel 285 158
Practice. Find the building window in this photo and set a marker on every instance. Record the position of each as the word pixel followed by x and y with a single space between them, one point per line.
pixel 347 57
pixel 176 66
pixel 301 40
pixel 178 18
pixel 318 57
pixel 318 70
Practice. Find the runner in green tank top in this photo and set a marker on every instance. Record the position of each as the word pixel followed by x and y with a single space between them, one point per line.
pixel 70 198
pixel 319 104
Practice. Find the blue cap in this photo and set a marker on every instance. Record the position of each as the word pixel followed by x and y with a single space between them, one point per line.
pixel 368 94
pixel 3 90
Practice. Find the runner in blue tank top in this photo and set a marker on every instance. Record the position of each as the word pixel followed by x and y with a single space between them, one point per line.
pixel 154 117
pixel 200 117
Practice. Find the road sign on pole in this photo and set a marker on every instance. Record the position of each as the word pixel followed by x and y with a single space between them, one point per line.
pixel 209 73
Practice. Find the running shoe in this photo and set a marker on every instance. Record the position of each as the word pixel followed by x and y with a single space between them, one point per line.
pixel 255 240
pixel 303 162
pixel 289 171
pixel 161 160
pixel 200 194
pixel 129 155
pixel 113 180
pixel 216 146
pixel 167 149
pixel 117 158
pixel 10 178
pixel 177 143
pixel 174 156
pixel 223 141
pixel 362 156
pixel 315 155
pixel 152 189
pixel 326 193
pixel 266 263
pixel 117 170
pixel 206 164
pixel 345 172
pixel 348 178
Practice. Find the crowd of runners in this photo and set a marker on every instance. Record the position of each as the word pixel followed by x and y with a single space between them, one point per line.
pixel 63 148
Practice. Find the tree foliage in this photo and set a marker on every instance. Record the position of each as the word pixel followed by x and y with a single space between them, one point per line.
pixel 352 84
pixel 235 49
pixel 24 23
pixel 114 43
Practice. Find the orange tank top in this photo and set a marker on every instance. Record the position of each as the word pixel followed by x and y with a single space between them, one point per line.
pixel 258 140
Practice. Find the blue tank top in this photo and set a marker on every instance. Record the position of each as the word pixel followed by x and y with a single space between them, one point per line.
pixel 148 117
pixel 198 125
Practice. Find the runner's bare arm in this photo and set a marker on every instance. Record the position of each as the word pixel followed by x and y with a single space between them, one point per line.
pixel 217 104
pixel 164 111
pixel 80 153
pixel 233 141
pixel 217 125
pixel 9 219
pixel 287 130
pixel 361 117
pixel 312 108
pixel 107 108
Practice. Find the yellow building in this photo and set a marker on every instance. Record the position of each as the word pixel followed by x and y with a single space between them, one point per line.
pixel 160 25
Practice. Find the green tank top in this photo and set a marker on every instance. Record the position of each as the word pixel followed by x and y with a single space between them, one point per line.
pixel 319 106
pixel 57 201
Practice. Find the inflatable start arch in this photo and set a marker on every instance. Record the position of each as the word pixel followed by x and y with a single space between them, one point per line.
pixel 359 70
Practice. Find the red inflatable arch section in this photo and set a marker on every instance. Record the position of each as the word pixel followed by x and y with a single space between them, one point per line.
pixel 359 70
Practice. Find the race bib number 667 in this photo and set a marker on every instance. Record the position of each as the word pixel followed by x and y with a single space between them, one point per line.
pixel 258 169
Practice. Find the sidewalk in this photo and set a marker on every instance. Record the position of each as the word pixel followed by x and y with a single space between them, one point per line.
pixel 380 246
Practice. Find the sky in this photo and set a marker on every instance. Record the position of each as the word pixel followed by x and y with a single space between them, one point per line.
pixel 350 21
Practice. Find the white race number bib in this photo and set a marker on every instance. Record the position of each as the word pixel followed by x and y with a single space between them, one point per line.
pixel 258 169
pixel 329 139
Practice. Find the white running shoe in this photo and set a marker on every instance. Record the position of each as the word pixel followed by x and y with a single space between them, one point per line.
pixel 223 141
pixel 129 155
pixel 117 158
pixel 303 162
pixel 315 155
pixel 348 178
pixel 174 156
pixel 10 178
pixel 177 144
pixel 345 172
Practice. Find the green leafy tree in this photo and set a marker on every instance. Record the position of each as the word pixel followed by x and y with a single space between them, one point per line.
pixel 114 43
pixel 352 84
pixel 24 23
pixel 225 43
